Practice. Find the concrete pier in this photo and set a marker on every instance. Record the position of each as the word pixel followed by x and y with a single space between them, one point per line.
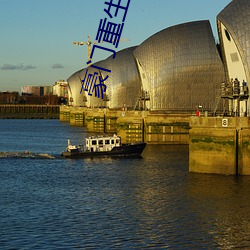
pixel 18 111
pixel 219 145
pixel 64 114
pixel 167 129
pixel 132 126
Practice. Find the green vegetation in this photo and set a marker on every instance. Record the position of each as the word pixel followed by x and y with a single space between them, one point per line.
pixel 217 140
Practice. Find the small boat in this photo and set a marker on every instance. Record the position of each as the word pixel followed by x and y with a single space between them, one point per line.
pixel 100 146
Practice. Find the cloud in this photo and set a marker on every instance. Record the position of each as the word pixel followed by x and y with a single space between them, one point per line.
pixel 7 66
pixel 57 66
pixel 27 67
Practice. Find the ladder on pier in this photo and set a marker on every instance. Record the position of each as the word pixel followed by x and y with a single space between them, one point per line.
pixel 217 101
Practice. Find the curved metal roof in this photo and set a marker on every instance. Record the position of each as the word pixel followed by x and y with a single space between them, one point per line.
pixel 180 67
pixel 236 18
pixel 74 87
pixel 91 95
pixel 123 83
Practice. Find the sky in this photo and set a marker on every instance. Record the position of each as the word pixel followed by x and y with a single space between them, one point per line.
pixel 36 35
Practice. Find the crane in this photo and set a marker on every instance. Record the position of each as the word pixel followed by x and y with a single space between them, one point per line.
pixel 89 44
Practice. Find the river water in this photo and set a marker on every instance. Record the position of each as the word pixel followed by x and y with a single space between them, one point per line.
pixel 150 203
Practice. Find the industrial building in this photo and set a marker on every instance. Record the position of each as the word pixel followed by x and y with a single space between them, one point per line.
pixel 9 97
pixel 234 33
pixel 40 95
pixel 180 67
pixel 177 69
pixel 37 90
pixel 60 89
pixel 123 83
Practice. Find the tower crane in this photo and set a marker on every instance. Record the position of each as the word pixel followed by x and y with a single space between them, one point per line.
pixel 89 44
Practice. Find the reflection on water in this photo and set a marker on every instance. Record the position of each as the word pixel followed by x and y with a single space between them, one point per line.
pixel 224 201
pixel 107 203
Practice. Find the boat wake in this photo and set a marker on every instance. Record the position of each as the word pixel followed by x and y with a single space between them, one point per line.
pixel 26 154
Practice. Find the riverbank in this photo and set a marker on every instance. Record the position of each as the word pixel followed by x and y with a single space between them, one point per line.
pixel 25 111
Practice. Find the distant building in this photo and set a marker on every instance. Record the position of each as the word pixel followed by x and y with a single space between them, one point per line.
pixel 41 100
pixel 38 95
pixel 30 90
pixel 37 90
pixel 60 89
pixel 9 97
pixel 47 90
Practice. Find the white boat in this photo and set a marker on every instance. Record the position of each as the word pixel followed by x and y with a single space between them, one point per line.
pixel 103 146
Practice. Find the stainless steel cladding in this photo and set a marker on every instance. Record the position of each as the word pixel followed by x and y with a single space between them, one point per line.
pixel 74 88
pixel 234 32
pixel 234 25
pixel 123 83
pixel 180 67
pixel 89 98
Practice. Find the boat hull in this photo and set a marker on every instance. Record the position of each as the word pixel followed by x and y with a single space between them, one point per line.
pixel 126 150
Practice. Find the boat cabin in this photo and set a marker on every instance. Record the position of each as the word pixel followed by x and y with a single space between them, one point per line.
pixel 104 143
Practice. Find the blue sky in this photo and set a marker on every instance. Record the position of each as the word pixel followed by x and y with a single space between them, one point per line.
pixel 36 35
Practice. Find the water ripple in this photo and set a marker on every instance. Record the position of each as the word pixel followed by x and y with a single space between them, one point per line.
pixel 26 154
pixel 148 203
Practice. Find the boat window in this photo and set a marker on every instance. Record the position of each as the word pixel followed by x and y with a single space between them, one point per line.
pixel 94 142
pixel 100 142
pixel 112 142
pixel 107 142
pixel 117 141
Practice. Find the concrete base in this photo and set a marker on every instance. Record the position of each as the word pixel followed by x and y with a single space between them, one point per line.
pixel 219 145
pixel 132 126
pixel 65 113
pixel 166 129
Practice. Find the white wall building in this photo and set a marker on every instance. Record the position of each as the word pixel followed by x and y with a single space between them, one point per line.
pixel 60 88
